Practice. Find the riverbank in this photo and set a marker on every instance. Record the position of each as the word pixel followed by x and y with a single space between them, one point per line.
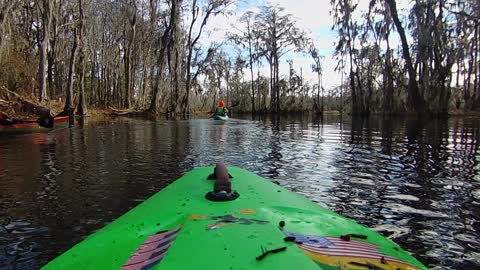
pixel 25 107
pixel 20 106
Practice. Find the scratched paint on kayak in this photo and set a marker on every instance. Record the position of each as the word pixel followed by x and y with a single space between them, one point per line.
pixel 231 235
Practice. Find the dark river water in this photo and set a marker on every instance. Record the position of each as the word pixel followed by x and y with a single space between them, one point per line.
pixel 417 183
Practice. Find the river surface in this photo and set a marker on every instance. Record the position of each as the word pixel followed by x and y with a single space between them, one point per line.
pixel 417 183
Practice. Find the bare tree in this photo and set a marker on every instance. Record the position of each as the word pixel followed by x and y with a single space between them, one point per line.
pixel 278 34
pixel 165 41
pixel 415 99
pixel 129 47
pixel 247 41
pixel 71 71
pixel 213 7
pixel 6 7
pixel 45 9
pixel 82 105
pixel 317 68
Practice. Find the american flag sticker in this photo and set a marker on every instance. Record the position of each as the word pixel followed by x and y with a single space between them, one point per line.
pixel 350 254
pixel 152 251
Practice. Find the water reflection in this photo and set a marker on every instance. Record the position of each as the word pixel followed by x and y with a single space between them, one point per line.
pixel 416 182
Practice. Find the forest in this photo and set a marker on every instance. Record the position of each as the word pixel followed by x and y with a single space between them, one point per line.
pixel 148 56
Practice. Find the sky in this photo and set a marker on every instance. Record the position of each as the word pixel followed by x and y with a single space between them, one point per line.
pixel 313 16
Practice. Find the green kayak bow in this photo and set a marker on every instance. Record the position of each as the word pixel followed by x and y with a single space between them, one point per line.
pixel 214 219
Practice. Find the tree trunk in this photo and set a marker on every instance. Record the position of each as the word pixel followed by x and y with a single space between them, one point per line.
pixel 71 70
pixel 476 82
pixel 414 97
pixel 272 85
pixel 82 106
pixel 227 78
pixel 100 73
pixel 127 66
pixel 176 80
pixel 213 7
pixel 42 87
pixel 355 105
pixel 50 70
pixel 129 55
pixel 259 94
pixel 43 49
pixel 277 85
pixel 189 58
pixel 360 93
pixel 320 84
pixel 3 19
pixel 250 58
pixel 341 92
pixel 52 67
pixel 467 84
pixel 388 107
pixel 355 109
pixel 165 41
pixel 93 98
pixel 143 83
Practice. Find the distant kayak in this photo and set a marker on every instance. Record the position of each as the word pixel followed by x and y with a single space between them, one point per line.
pixel 220 117
pixel 30 127
pixel 214 219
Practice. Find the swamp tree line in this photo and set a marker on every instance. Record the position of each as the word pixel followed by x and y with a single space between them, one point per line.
pixel 142 55
pixel 434 68
pixel 148 56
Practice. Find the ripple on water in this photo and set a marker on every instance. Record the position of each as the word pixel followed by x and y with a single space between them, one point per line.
pixel 17 240
pixel 403 197
pixel 404 209
pixel 476 194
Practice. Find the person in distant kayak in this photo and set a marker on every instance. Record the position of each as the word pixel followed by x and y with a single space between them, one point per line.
pixel 221 110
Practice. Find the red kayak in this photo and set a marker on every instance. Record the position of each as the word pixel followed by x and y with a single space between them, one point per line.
pixel 31 127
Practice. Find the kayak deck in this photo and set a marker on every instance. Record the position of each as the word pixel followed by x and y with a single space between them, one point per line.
pixel 178 228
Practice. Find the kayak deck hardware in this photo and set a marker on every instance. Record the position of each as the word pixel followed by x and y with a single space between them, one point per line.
pixel 265 252
pixel 348 237
pixel 222 188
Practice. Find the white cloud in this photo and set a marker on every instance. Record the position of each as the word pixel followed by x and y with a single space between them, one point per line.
pixel 311 14
pixel 314 17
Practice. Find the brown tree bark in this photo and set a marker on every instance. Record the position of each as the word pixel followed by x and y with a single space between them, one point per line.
pixel 5 10
pixel 476 83
pixel 415 99
pixel 43 43
pixel 82 105
pixel 128 57
pixel 165 40
pixel 250 60
pixel 71 70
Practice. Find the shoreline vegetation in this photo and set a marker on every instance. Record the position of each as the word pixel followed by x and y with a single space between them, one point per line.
pixel 24 107
pixel 154 58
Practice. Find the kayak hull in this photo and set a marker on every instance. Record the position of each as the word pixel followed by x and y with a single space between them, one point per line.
pixel 32 127
pixel 178 228
pixel 219 117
